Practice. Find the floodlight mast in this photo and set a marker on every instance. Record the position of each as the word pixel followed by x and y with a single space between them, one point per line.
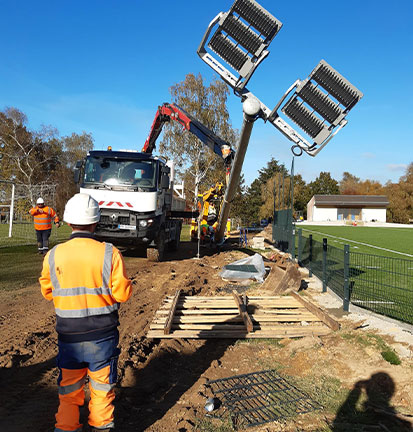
pixel 251 108
pixel 318 104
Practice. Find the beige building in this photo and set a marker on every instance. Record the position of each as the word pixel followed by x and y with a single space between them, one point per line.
pixel 365 208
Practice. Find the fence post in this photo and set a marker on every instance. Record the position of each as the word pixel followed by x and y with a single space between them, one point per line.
pixel 346 299
pixel 324 265
pixel 310 271
pixel 300 239
pixel 292 248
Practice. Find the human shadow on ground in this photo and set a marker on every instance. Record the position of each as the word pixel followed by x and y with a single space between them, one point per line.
pixel 368 405
pixel 26 403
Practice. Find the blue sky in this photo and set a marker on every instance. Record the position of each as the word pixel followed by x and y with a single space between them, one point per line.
pixel 103 66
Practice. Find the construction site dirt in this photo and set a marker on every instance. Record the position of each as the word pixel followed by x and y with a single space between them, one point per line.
pixel 161 385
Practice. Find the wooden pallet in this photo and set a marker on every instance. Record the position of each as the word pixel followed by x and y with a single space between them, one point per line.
pixel 196 317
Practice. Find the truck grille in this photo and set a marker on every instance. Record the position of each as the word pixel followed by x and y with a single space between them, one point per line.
pixel 106 220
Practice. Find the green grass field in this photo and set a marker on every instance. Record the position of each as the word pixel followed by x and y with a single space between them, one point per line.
pixel 24 233
pixel 383 241
pixel 21 265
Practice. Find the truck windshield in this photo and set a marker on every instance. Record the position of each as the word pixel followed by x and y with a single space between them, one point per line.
pixel 120 172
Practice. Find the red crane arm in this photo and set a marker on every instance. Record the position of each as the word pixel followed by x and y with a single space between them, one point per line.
pixel 168 112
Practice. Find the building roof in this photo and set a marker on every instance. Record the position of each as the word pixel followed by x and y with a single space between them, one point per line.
pixel 349 200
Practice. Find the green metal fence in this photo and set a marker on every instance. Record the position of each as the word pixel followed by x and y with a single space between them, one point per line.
pixel 381 284
pixel 283 229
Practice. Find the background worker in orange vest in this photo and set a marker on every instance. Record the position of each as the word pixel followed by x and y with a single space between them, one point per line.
pixel 42 218
pixel 86 280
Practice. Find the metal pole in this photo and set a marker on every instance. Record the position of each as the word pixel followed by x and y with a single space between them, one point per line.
pixel 11 211
pixel 292 248
pixel 251 107
pixel 274 195
pixel 310 272
pixel 292 211
pixel 346 300
pixel 324 265
pixel 283 188
pixel 300 239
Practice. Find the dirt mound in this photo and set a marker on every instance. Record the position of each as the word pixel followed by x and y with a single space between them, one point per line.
pixel 161 383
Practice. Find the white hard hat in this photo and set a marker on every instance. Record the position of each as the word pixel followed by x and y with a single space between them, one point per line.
pixel 81 209
pixel 40 201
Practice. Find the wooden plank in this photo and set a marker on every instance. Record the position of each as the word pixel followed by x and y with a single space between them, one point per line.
pixel 239 327
pixel 237 318
pixel 216 327
pixel 206 334
pixel 220 300
pixel 260 312
pixel 169 318
pixel 227 305
pixel 242 307
pixel 230 298
pixel 196 317
pixel 200 318
pixel 197 312
pixel 326 319
pixel 271 315
pixel 227 298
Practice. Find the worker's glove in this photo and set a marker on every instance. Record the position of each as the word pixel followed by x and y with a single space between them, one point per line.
pixel 58 224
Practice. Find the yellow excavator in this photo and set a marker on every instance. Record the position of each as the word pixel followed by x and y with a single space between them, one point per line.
pixel 207 203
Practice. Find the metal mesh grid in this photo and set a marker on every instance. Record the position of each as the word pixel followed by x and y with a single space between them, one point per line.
pixel 261 397
pixel 249 268
pixel 335 270
pixel 382 284
pixel 379 283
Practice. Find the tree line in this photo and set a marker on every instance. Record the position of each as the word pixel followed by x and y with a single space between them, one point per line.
pixel 30 157
pixel 273 190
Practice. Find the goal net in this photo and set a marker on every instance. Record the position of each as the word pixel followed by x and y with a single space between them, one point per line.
pixel 16 223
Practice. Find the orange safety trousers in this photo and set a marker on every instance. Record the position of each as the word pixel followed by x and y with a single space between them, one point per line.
pixel 99 361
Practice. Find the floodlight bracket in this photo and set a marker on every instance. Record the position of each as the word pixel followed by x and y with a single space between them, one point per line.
pixel 312 149
pixel 247 66
pixel 318 105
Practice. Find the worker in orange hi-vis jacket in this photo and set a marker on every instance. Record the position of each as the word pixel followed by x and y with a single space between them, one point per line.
pixel 86 280
pixel 42 218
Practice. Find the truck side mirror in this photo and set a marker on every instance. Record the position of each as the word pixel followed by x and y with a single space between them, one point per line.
pixel 165 181
pixel 76 172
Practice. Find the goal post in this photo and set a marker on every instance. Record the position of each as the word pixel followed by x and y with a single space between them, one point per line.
pixel 16 223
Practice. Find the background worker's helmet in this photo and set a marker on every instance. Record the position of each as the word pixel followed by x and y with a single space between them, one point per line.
pixel 40 201
pixel 81 209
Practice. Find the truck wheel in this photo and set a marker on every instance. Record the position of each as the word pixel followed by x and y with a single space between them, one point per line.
pixel 156 254
pixel 174 245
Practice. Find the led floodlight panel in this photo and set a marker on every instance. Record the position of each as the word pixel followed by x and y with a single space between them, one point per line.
pixel 241 39
pixel 318 106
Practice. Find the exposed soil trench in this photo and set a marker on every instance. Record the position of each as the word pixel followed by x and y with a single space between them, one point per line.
pixel 161 383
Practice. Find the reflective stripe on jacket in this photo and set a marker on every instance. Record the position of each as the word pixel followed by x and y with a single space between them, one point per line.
pixel 43 221
pixel 86 279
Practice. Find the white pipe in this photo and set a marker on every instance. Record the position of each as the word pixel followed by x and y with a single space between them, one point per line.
pixel 11 211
